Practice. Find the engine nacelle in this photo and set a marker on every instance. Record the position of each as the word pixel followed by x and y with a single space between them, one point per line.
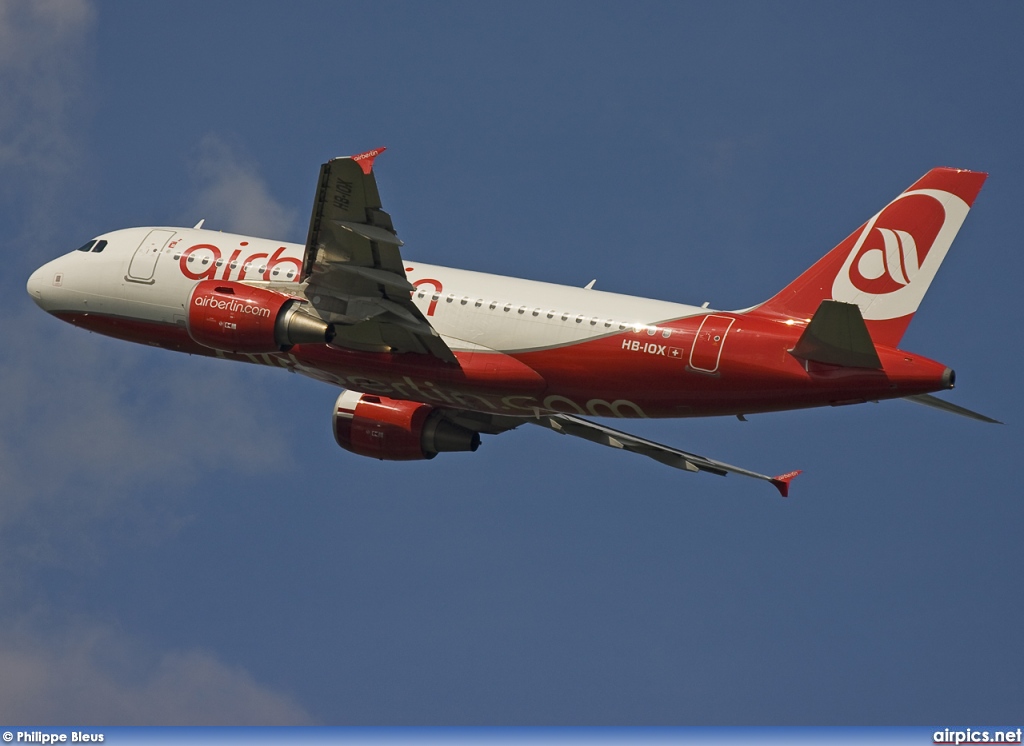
pixel 396 430
pixel 233 317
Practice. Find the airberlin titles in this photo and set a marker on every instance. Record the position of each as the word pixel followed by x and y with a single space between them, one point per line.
pixel 429 392
pixel 204 261
pixel 232 305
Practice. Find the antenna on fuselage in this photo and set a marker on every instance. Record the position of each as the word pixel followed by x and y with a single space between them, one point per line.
pixel 199 225
pixel 590 285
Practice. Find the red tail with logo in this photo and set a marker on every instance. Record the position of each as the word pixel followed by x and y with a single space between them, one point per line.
pixel 887 264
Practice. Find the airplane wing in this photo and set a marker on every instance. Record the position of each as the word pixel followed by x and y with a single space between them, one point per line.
pixel 353 267
pixel 568 424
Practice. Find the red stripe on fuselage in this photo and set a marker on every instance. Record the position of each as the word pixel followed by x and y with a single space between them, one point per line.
pixel 627 374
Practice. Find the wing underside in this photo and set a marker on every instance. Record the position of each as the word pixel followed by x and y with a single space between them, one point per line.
pixel 568 424
pixel 353 266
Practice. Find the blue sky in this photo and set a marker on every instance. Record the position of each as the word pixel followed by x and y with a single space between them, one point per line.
pixel 181 541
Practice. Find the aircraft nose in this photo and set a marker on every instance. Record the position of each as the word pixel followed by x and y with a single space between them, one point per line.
pixel 40 281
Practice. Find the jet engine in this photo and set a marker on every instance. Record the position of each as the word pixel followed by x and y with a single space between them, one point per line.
pixel 396 430
pixel 234 317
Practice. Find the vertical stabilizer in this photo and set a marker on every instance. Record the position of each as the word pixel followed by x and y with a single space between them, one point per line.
pixel 886 265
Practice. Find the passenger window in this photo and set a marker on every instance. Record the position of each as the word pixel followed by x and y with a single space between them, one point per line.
pixel 494 304
pixel 100 245
pixel 478 303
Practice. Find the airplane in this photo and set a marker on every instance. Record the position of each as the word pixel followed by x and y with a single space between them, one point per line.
pixel 430 358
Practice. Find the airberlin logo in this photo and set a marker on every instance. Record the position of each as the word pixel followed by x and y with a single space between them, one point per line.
pixel 232 305
pixel 895 255
pixel 896 244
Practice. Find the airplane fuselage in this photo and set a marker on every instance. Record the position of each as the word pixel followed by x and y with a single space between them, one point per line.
pixel 523 346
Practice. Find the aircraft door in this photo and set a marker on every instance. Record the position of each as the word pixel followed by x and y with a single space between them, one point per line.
pixel 707 347
pixel 143 264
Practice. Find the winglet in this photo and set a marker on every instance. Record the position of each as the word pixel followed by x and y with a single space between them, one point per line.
pixel 782 481
pixel 365 160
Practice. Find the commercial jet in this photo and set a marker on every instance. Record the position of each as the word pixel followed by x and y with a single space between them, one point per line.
pixel 431 358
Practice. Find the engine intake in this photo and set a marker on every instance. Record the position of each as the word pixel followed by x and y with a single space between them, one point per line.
pixel 233 317
pixel 395 429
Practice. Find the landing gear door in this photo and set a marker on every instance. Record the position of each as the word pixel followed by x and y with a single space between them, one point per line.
pixel 707 348
pixel 143 264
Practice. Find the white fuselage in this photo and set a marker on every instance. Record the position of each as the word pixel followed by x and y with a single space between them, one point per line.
pixel 151 283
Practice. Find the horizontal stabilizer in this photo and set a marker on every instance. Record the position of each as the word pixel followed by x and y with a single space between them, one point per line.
pixel 933 401
pixel 837 335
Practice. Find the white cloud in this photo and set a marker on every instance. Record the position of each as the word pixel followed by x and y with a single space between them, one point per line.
pixel 53 18
pixel 90 675
pixel 96 434
pixel 44 63
pixel 86 423
pixel 92 433
pixel 233 197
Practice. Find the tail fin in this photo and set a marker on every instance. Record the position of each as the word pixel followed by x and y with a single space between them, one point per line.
pixel 887 264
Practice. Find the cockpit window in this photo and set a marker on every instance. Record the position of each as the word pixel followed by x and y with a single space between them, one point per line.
pixel 100 245
pixel 87 246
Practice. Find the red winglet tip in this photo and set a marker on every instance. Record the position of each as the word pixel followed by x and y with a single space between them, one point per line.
pixel 365 160
pixel 782 481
